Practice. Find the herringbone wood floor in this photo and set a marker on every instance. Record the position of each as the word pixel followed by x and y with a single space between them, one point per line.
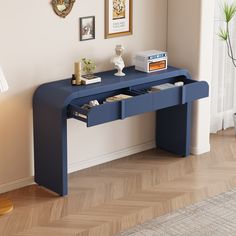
pixel 106 199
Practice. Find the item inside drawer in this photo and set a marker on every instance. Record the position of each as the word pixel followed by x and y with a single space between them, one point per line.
pixel 159 85
pixel 86 103
pixel 162 87
pixel 118 97
pixel 156 88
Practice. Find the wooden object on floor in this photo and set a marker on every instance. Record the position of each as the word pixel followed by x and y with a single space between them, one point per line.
pixel 6 206
pixel 115 196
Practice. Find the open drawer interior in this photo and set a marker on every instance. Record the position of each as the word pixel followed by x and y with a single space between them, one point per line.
pixel 104 112
pixel 141 99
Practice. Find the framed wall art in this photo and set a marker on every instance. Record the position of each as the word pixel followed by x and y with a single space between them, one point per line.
pixel 87 28
pixel 118 18
pixel 62 7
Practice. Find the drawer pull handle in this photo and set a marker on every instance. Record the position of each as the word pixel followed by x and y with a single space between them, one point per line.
pixel 77 114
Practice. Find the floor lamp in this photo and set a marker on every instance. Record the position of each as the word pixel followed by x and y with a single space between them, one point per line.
pixel 6 205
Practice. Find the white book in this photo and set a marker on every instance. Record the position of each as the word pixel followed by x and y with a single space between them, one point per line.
pixel 162 87
pixel 87 80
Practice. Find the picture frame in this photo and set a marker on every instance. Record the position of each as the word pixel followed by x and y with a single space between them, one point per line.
pixel 118 18
pixel 87 28
pixel 62 7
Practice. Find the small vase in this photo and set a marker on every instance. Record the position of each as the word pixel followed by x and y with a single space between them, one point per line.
pixel 234 117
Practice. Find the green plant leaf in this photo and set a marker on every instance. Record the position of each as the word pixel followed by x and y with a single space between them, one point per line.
pixel 223 34
pixel 229 11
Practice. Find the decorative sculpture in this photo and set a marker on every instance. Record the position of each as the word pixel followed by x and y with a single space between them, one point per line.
pixel 118 61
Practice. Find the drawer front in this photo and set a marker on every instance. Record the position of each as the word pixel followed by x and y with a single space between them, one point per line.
pixel 104 113
pixel 96 115
pixel 137 105
pixel 167 98
pixel 194 91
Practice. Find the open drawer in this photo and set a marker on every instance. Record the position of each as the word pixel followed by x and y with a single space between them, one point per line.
pixel 97 115
pixel 110 111
pixel 142 101
pixel 194 90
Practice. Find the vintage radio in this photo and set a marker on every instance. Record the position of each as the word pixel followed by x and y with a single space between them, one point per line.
pixel 150 61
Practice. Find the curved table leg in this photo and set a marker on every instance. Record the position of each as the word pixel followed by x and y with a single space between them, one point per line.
pixel 50 148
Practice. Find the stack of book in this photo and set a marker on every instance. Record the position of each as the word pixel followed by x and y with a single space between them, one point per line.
pixel 85 79
pixel 118 98
pixel 162 87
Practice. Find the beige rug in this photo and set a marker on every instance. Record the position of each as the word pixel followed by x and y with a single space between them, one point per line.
pixel 212 217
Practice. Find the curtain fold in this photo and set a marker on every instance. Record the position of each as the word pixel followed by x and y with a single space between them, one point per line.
pixel 223 87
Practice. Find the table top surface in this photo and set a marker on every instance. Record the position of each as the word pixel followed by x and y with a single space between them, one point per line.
pixel 110 81
pixel 62 91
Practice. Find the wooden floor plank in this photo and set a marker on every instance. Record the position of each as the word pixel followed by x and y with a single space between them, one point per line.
pixel 108 198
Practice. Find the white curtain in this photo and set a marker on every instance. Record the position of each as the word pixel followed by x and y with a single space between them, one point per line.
pixel 223 87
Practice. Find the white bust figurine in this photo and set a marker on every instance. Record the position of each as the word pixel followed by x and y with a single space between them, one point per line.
pixel 118 61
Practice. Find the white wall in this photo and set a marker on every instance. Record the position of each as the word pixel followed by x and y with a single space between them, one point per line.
pixel 36 46
pixel 190 44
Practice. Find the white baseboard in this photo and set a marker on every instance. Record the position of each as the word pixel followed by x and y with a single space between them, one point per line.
pixel 83 165
pixel 200 150
pixel 97 161
pixel 16 184
pixel 80 165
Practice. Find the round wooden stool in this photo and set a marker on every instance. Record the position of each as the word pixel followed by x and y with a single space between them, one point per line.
pixel 6 206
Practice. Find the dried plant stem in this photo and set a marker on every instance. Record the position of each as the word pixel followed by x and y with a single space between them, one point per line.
pixel 229 46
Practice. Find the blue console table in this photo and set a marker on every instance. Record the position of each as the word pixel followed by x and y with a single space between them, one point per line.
pixel 55 102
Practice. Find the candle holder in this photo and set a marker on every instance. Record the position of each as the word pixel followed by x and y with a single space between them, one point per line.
pixel 78 73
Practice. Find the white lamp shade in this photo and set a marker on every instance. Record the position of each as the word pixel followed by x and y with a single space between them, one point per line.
pixel 3 82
